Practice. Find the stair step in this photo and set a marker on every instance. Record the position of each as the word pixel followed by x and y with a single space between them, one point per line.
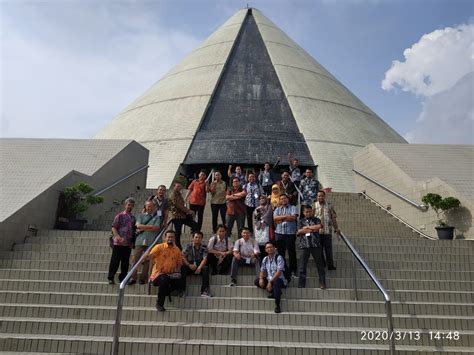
pixel 231 332
pixel 54 297
pixel 335 279
pixel 142 345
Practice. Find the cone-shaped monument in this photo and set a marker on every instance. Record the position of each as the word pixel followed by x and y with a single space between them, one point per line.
pixel 247 94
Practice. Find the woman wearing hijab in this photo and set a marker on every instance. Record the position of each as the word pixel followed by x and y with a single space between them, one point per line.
pixel 275 196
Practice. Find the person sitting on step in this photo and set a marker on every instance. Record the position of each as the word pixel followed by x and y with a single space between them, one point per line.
pixel 166 274
pixel 219 251
pixel 309 242
pixel 246 253
pixel 194 263
pixel 272 277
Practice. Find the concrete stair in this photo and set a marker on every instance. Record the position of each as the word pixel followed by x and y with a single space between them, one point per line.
pixel 54 298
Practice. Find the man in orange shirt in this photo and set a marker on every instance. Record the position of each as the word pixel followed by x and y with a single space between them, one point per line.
pixel 167 260
pixel 197 197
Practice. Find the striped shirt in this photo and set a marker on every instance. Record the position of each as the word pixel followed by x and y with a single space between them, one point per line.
pixel 285 227
pixel 270 266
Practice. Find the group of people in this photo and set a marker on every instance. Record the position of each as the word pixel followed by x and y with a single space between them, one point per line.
pixel 272 219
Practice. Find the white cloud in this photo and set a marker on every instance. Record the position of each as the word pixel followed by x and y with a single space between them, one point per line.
pixel 439 70
pixel 68 70
pixel 435 63
pixel 447 117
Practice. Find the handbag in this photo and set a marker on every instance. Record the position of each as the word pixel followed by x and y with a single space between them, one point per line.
pixel 262 235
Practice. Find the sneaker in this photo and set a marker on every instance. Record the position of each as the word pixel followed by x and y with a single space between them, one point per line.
pixel 322 285
pixel 132 282
pixel 233 282
pixel 141 282
pixel 160 308
pixel 277 309
pixel 111 282
pixel 181 294
pixel 205 294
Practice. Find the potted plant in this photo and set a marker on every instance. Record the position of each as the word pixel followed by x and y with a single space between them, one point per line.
pixel 74 201
pixel 442 206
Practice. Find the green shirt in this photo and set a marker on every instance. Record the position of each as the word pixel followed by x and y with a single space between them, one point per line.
pixel 146 238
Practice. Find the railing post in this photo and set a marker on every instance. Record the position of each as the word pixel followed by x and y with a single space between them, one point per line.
pixel 118 316
pixel 354 278
pixel 388 309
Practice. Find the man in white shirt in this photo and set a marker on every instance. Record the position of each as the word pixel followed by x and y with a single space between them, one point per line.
pixel 219 251
pixel 246 253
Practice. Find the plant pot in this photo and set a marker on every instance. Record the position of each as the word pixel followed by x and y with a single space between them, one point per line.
pixel 445 233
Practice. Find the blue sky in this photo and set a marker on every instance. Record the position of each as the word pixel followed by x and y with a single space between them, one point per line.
pixel 69 66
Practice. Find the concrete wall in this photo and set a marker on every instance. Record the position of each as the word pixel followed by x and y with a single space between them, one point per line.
pixel 41 211
pixel 374 163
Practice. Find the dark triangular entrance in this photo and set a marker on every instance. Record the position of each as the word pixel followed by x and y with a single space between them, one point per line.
pixel 248 120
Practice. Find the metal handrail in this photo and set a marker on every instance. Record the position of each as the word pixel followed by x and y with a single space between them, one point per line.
pixel 300 194
pixel 121 293
pixel 386 295
pixel 413 203
pixel 398 218
pixel 122 179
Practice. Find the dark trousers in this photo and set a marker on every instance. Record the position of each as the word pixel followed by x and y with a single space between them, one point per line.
pixel 236 263
pixel 216 209
pixel 317 254
pixel 263 253
pixel 326 243
pixel 186 271
pixel 250 217
pixel 240 219
pixel 120 257
pixel 277 286
pixel 286 242
pixel 165 286
pixel 267 190
pixel 137 253
pixel 178 226
pixel 200 214
pixel 223 267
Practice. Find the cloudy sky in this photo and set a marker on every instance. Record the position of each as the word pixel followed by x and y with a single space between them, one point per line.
pixel 67 67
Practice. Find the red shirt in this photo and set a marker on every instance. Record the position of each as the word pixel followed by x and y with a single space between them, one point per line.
pixel 198 193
